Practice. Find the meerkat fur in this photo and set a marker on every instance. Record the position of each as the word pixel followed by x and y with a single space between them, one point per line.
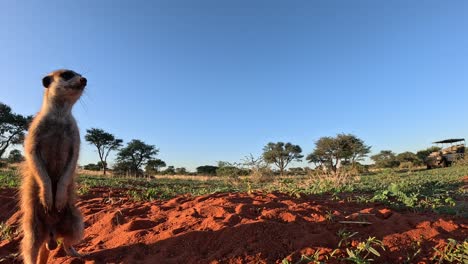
pixel 48 189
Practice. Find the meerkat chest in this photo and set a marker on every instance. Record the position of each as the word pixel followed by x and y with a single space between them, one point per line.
pixel 56 145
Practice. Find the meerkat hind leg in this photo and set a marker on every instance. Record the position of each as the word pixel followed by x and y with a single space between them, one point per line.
pixel 34 237
pixel 71 231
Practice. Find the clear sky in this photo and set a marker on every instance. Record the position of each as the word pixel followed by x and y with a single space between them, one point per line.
pixel 216 80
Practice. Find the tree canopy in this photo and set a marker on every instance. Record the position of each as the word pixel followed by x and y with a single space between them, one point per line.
pixel 385 159
pixel 136 154
pixel 105 143
pixel 344 148
pixel 12 127
pixel 154 166
pixel 281 154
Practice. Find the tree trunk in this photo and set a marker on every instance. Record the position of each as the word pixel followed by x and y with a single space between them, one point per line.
pixel 2 150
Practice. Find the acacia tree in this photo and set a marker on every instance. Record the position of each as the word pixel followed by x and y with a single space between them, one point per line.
pixel 385 159
pixel 353 148
pixel 12 127
pixel 105 143
pixel 136 154
pixel 331 151
pixel 281 154
pixel 154 165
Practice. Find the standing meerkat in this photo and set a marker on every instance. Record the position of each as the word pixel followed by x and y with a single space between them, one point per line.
pixel 47 190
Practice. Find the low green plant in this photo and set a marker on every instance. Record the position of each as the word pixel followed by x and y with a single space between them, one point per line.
pixel 345 237
pixel 6 231
pixel 452 252
pixel 413 252
pixel 364 250
pixel 329 216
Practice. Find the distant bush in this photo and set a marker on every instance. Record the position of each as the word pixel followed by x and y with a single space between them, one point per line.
pixel 423 154
pixel 181 171
pixel 296 171
pixel 15 156
pixel 386 159
pixel 123 168
pixel 231 171
pixel 406 165
pixel 207 170
pixel 462 162
pixel 92 167
pixel 355 169
pixel 406 157
pixel 262 175
pixel 154 166
pixel 259 170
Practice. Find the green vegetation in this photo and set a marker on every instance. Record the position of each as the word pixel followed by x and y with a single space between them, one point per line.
pixel 362 253
pixel 368 250
pixel 437 190
pixel 9 178
pixel 453 252
pixel 6 231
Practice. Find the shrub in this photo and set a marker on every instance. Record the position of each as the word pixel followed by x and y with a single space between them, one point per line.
pixel 207 170
pixel 92 167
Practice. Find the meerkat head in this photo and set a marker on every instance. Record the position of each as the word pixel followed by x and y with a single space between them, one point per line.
pixel 64 84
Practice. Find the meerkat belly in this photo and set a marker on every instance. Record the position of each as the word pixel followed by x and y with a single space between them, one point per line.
pixel 56 153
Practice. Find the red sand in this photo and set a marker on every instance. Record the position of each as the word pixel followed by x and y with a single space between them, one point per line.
pixel 234 228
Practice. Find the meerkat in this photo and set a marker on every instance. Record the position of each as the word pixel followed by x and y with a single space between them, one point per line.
pixel 47 190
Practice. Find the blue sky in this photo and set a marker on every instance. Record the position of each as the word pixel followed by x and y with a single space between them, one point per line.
pixel 216 80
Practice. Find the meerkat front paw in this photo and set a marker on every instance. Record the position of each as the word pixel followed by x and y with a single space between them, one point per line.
pixel 47 200
pixel 61 199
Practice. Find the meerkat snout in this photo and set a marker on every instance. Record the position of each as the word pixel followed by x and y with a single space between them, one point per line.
pixel 83 81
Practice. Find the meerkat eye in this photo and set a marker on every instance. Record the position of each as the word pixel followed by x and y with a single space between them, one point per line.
pixel 46 81
pixel 67 75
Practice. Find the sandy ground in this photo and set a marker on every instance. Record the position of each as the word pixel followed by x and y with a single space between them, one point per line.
pixel 234 228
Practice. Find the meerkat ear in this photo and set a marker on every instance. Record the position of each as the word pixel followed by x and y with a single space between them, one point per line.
pixel 46 81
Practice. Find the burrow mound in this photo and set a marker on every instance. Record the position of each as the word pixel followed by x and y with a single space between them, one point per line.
pixel 234 228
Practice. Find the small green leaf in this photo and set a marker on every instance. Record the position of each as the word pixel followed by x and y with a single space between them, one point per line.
pixel 373 251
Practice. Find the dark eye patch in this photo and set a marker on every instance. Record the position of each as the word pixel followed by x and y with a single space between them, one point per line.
pixel 67 75
pixel 46 81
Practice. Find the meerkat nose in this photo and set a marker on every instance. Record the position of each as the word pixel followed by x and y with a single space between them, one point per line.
pixel 83 81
